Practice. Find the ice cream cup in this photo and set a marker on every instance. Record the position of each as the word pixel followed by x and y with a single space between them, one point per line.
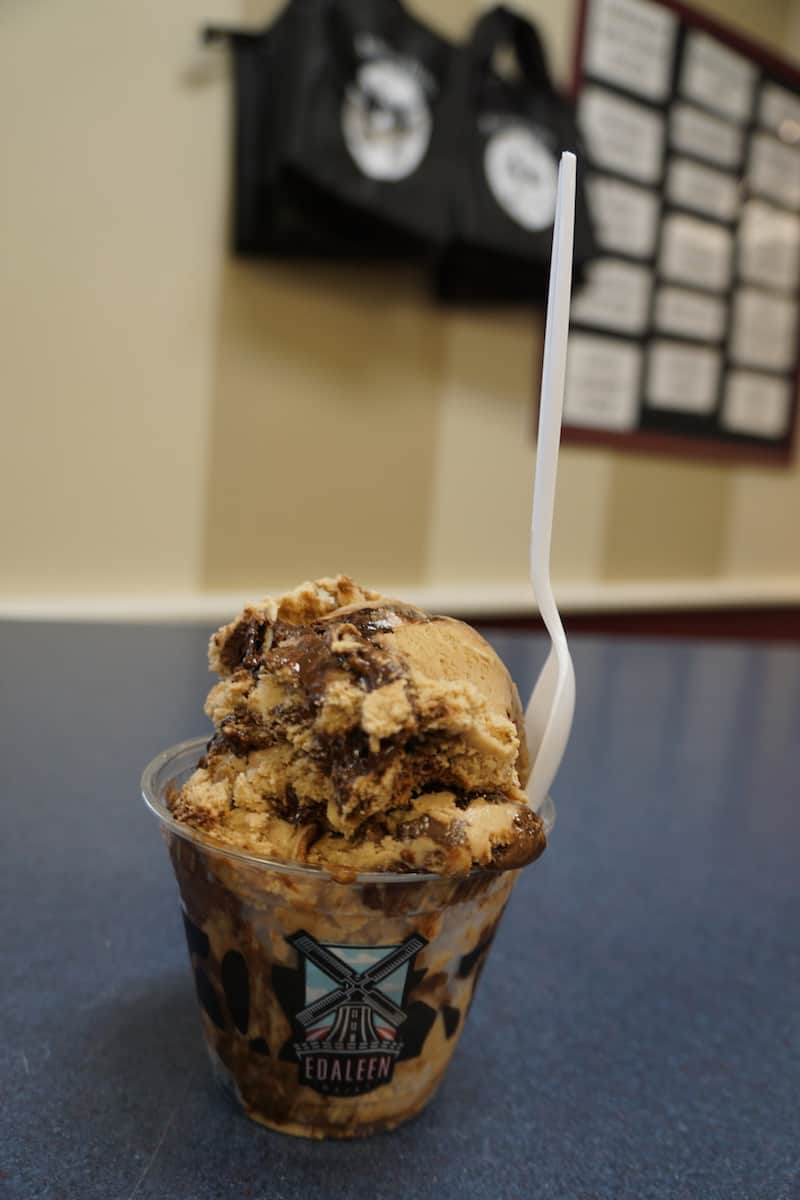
pixel 330 1006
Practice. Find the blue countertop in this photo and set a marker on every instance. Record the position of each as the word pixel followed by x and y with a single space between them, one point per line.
pixel 636 1034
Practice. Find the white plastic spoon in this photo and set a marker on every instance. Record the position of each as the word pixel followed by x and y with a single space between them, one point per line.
pixel 548 717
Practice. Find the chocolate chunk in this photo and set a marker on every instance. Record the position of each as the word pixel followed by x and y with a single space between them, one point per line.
pixel 240 733
pixel 236 984
pixel 415 1029
pixel 451 1017
pixel 475 957
pixel 259 1046
pixel 440 832
pixel 463 799
pixel 529 841
pixel 299 812
pixel 243 645
pixel 309 657
pixel 218 744
pixel 208 997
pixel 196 939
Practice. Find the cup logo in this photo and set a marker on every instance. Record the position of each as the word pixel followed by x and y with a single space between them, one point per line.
pixel 351 1030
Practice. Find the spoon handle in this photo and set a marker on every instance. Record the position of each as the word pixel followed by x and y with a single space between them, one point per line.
pixel 551 401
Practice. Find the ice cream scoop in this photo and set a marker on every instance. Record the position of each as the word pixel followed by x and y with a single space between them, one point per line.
pixel 358 733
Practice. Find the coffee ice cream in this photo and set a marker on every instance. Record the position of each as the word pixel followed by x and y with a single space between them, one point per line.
pixel 344 850
pixel 361 734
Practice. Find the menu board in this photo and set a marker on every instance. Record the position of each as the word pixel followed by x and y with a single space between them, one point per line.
pixel 684 334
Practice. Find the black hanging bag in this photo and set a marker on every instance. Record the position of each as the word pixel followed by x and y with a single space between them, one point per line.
pixel 335 115
pixel 267 217
pixel 363 131
pixel 508 127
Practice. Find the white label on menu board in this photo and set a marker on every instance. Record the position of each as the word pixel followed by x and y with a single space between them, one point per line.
pixel 695 251
pixel 621 135
pixel 773 169
pixel 708 137
pixel 625 216
pixel 602 389
pixel 630 43
pixel 689 314
pixel 717 77
pixel 769 246
pixel 764 330
pixel 616 296
pixel 756 404
pixel 682 377
pixel 702 189
pixel 778 105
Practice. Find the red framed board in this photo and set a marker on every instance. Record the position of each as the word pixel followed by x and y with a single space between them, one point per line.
pixel 684 337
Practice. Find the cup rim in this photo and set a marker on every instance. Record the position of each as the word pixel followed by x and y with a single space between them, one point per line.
pixel 152 786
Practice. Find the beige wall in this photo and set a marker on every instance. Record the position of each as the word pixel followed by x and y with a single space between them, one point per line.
pixel 179 421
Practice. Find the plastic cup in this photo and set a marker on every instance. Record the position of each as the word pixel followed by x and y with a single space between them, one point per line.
pixel 330 1007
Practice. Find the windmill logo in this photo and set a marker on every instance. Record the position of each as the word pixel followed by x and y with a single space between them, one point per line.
pixel 349 1029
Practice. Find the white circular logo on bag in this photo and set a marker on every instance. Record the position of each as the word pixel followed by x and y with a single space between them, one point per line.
pixel 522 175
pixel 386 120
